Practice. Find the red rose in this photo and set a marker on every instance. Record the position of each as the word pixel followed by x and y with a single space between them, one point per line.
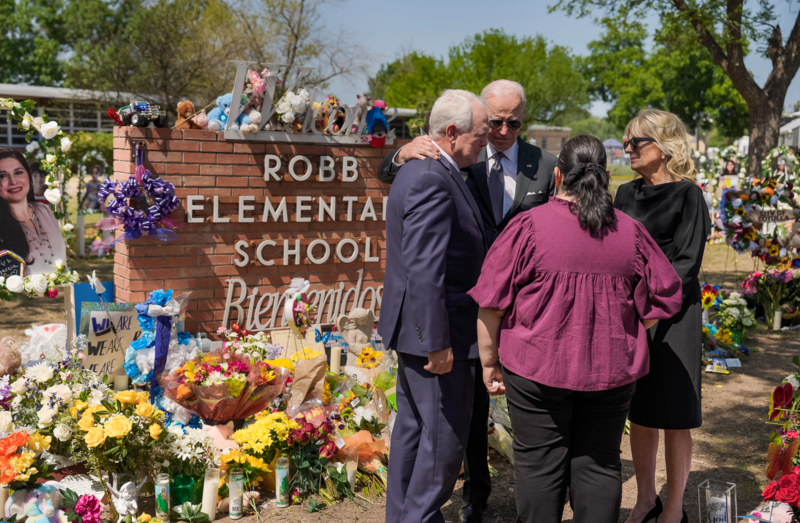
pixel 789 489
pixel 769 491
pixel 327 450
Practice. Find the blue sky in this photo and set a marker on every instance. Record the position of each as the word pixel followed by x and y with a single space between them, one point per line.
pixel 389 29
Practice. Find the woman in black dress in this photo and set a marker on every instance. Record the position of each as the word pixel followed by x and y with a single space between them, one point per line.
pixel 670 205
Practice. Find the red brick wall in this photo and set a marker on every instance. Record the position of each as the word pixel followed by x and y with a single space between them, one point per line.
pixel 203 163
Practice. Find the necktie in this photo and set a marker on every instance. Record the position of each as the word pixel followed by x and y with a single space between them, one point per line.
pixel 497 187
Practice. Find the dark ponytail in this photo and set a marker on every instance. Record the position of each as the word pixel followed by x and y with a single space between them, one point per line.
pixel 582 162
pixel 12 236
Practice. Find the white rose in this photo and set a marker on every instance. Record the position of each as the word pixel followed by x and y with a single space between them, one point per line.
pixel 59 265
pixel 2 280
pixel 742 302
pixel 6 423
pixel 19 387
pixel 793 380
pixel 95 398
pixel 53 196
pixel 39 283
pixel 30 149
pixel 298 104
pixel 50 158
pixel 288 117
pixel 62 392
pixel 37 123
pixel 52 276
pixel 62 432
pixel 703 159
pixel 304 94
pixel 733 312
pixel 46 416
pixel 49 130
pixel 67 227
pixel 747 322
pixel 65 144
pixel 27 121
pixel 735 296
pixel 14 283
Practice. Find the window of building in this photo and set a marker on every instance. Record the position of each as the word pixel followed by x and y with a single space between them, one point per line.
pixel 544 142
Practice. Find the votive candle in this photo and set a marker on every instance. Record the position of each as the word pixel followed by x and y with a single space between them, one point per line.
pixel 776 324
pixel 336 359
pixel 210 489
pixel 120 381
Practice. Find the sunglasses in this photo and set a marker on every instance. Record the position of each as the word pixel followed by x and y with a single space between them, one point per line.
pixel 498 123
pixel 634 142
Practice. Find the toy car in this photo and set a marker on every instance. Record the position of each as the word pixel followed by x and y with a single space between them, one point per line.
pixel 140 114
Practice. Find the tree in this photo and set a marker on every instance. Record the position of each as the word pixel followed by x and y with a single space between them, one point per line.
pixel 725 29
pixel 27 55
pixel 678 76
pixel 553 84
pixel 600 128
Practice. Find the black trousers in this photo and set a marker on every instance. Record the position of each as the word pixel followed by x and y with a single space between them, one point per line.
pixel 565 438
pixel 477 480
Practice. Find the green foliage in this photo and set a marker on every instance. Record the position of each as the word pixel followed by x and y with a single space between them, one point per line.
pixel 553 84
pixel 190 514
pixel 27 55
pixel 677 76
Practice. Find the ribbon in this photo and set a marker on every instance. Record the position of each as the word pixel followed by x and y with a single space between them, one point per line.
pixel 172 308
pixel 108 224
pixel 163 331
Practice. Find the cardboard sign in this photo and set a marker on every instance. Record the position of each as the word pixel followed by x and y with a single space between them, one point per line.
pixel 106 347
pixel 778 215
pixel 11 264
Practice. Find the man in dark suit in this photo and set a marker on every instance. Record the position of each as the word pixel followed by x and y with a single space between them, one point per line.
pixel 511 176
pixel 434 251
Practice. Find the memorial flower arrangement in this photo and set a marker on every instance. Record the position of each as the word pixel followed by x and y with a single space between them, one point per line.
pixel 254 345
pixel 48 395
pixel 141 205
pixel 222 385
pixel 296 309
pixel 784 445
pixel 37 284
pixel 292 105
pixel 255 470
pixel 268 436
pixel 21 462
pixel 769 288
pixel 369 358
pixel 310 450
pixel 192 451
pixel 735 316
pixel 306 353
pixel 123 435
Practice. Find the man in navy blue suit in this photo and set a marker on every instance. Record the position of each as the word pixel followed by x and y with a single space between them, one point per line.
pixel 434 251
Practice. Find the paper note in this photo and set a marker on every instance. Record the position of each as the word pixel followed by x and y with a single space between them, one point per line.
pixel 733 362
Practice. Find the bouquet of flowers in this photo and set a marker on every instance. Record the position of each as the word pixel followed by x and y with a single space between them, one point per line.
pixel 192 451
pixel 268 436
pixel 769 288
pixel 223 386
pixel 21 462
pixel 141 205
pixel 735 316
pixel 292 105
pixel 255 345
pixel 296 310
pixel 369 358
pixel 123 435
pixel 310 449
pixel 49 394
pixel 37 284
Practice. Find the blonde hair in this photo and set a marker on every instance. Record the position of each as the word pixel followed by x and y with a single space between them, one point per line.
pixel 671 137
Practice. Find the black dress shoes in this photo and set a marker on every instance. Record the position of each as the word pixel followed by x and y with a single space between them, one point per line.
pixel 472 513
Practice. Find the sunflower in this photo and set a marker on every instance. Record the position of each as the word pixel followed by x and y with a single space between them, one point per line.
pixel 774 250
pixel 740 212
pixel 708 300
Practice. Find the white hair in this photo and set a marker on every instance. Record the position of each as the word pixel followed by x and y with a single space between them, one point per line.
pixel 504 87
pixel 454 106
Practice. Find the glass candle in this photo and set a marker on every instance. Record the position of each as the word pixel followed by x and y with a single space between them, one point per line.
pixel 336 359
pixel 236 490
pixel 282 483
pixel 717 502
pixel 120 380
pixel 163 501
pixel 210 488
pixel 351 466
pixel 777 320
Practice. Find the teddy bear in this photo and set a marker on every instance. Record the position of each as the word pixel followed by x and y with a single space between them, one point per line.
pixel 201 119
pixel 185 113
pixel 245 122
pixel 10 358
pixel 218 117
pixel 361 110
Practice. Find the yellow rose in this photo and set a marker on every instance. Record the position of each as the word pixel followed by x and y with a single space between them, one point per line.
pixel 95 437
pixel 118 427
pixel 80 405
pixel 94 408
pixel 145 409
pixel 86 423
pixel 143 396
pixel 145 518
pixel 73 412
pixel 155 431
pixel 128 396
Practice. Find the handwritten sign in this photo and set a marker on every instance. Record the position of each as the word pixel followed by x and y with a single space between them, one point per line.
pixel 778 215
pixel 106 347
pixel 11 264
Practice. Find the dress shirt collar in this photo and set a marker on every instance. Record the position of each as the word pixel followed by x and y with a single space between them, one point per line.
pixel 447 156
pixel 511 153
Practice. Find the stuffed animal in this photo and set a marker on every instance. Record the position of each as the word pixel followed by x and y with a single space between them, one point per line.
pixel 218 117
pixel 377 126
pixel 221 435
pixel 10 358
pixel 244 122
pixel 185 113
pixel 361 109
pixel 201 119
pixel 42 505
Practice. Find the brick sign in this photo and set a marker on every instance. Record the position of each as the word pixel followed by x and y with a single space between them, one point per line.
pixel 255 215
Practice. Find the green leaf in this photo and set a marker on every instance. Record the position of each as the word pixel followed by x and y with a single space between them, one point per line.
pixel 313 506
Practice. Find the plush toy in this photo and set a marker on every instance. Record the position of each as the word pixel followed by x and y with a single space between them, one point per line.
pixel 10 358
pixel 201 119
pixel 377 126
pixel 361 109
pixel 185 112
pixel 42 505
pixel 221 435
pixel 218 117
pixel 245 122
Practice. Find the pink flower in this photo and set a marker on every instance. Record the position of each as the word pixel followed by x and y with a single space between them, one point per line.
pixel 52 293
pixel 221 330
pixel 253 77
pixel 88 507
pixel 82 355
pixel 259 86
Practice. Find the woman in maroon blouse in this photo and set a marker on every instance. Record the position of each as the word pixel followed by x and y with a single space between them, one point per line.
pixel 567 293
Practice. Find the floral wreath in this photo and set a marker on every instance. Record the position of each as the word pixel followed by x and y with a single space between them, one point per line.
pixel 757 194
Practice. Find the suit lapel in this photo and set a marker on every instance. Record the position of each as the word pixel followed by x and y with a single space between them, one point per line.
pixel 456 175
pixel 527 166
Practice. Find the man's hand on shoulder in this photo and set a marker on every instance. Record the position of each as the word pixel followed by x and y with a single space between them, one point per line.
pixel 420 148
pixel 440 362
